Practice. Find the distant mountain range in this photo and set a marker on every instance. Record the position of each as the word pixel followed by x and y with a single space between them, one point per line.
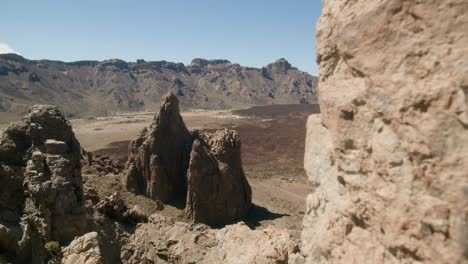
pixel 99 88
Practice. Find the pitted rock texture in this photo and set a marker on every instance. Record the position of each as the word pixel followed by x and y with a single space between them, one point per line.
pixel 178 242
pixel 158 158
pixel 167 162
pixel 388 155
pixel 40 182
pixel 218 191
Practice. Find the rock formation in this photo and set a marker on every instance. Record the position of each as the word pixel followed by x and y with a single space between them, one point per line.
pixel 84 250
pixel 40 184
pixel 218 191
pixel 100 164
pixel 114 207
pixel 388 154
pixel 158 158
pixel 167 162
pixel 178 242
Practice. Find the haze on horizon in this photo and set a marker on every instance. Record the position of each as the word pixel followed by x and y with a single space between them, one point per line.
pixel 245 32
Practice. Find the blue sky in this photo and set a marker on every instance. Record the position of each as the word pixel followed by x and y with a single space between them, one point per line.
pixel 249 32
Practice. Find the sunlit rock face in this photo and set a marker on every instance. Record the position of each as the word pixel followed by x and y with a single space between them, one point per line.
pixel 389 153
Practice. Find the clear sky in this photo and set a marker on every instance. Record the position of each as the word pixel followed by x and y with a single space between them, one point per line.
pixel 249 32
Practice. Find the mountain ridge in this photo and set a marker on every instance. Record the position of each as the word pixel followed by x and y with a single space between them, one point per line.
pixel 100 88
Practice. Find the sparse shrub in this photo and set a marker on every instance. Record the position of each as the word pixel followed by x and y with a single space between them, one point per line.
pixel 54 251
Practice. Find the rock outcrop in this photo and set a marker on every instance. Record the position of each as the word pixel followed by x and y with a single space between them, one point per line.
pixel 388 154
pixel 84 250
pixel 158 158
pixel 178 242
pixel 115 208
pixel 40 184
pixel 167 162
pixel 218 191
pixel 100 164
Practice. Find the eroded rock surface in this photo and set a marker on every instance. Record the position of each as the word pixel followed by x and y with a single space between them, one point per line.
pixel 84 250
pixel 388 155
pixel 177 242
pixel 167 162
pixel 158 158
pixel 40 184
pixel 218 191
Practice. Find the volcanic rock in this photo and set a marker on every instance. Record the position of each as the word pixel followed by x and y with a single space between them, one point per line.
pixel 178 242
pixel 100 164
pixel 84 250
pixel 167 162
pixel 114 207
pixel 388 154
pixel 158 158
pixel 40 182
pixel 218 191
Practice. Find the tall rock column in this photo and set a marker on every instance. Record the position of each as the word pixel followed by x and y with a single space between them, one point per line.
pixel 218 191
pixel 388 154
pixel 158 158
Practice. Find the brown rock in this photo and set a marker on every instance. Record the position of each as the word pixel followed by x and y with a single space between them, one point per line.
pixel 158 158
pixel 100 164
pixel 40 182
pixel 114 207
pixel 388 154
pixel 218 191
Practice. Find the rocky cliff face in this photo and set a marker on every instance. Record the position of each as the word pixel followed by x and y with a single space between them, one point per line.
pixel 88 88
pixel 40 184
pixel 388 154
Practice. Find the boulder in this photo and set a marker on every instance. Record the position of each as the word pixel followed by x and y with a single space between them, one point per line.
pixel 388 154
pixel 218 191
pixel 85 249
pixel 40 182
pixel 158 158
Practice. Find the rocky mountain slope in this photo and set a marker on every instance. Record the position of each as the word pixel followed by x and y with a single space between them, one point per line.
pixel 90 88
pixel 388 153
